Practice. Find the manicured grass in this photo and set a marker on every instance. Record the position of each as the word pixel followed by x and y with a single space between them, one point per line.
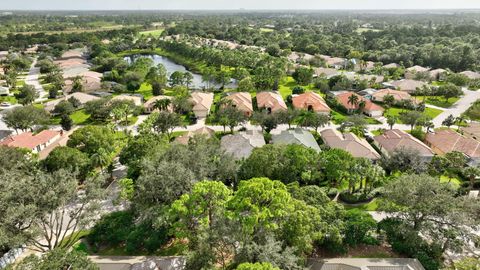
pixel 437 101
pixel 432 113
pixel 154 33
pixel 80 117
pixel 10 99
pixel 371 206
pixel 285 87
pixel 78 235
pixel 145 90
pixel 339 117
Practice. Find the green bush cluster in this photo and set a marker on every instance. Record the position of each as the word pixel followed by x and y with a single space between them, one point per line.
pixel 119 229
pixel 410 244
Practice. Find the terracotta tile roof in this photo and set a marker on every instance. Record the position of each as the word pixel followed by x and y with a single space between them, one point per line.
pixel 81 97
pixel 445 141
pixel 242 100
pixel 350 143
pixel 395 139
pixel 29 140
pixel 202 101
pixel 397 95
pixel 310 99
pixel 328 72
pixel 473 130
pixel 369 106
pixel 271 100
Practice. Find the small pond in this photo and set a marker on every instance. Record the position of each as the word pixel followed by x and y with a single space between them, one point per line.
pixel 171 67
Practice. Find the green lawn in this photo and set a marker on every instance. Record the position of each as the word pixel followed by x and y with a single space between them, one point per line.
pixel 10 99
pixel 432 113
pixel 154 33
pixel 371 206
pixel 455 182
pixel 339 117
pixel 145 90
pixel 437 101
pixel 80 117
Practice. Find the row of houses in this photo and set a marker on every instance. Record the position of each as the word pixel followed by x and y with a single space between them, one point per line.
pixel 73 63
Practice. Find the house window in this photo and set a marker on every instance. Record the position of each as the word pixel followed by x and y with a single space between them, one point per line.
pixel 310 108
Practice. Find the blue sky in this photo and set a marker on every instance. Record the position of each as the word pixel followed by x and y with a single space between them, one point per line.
pixel 235 4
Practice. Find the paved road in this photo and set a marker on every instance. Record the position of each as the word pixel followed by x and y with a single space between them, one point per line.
pixel 33 79
pixel 469 97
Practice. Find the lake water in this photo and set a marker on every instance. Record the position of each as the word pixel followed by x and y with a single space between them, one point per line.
pixel 171 67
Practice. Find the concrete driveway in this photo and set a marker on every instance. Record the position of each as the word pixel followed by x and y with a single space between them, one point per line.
pixel 469 97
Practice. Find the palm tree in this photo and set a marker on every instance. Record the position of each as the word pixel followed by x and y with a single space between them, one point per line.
pixel 471 173
pixel 162 104
pixel 391 121
pixel 361 105
pixel 389 100
pixel 353 100
pixel 100 158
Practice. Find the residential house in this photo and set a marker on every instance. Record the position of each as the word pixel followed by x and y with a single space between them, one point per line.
pixel 370 108
pixel 396 139
pixel 366 77
pixel 472 130
pixel 397 95
pixel 365 264
pixel 335 62
pixel 90 84
pixel 367 93
pixel 81 97
pixel 296 136
pixel 242 144
pixel 137 99
pixel 149 106
pixel 350 143
pixel 34 142
pixel 3 54
pixel 446 141
pixel 438 74
pixel 202 102
pixel 327 72
pixel 391 65
pixel 4 91
pixel 272 102
pixel 408 85
pixel 471 75
pixel 203 131
pixel 412 72
pixel 310 101
pixel 364 66
pixel 242 101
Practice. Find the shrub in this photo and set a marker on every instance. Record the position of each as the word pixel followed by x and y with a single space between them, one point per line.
pixel 298 90
pixel 119 229
pixel 409 243
pixel 357 197
pixel 359 227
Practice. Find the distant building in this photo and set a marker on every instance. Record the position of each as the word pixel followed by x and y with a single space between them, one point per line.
pixel 438 74
pixel 310 101
pixel 137 100
pixel 391 65
pixel 296 136
pixel 81 97
pixel 407 85
pixel 4 91
pixel 471 75
pixel 242 144
pixel 398 96
pixel 350 143
pixel 412 72
pixel 271 101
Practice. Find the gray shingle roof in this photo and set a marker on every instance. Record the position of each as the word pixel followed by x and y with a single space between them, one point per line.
pixel 296 136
